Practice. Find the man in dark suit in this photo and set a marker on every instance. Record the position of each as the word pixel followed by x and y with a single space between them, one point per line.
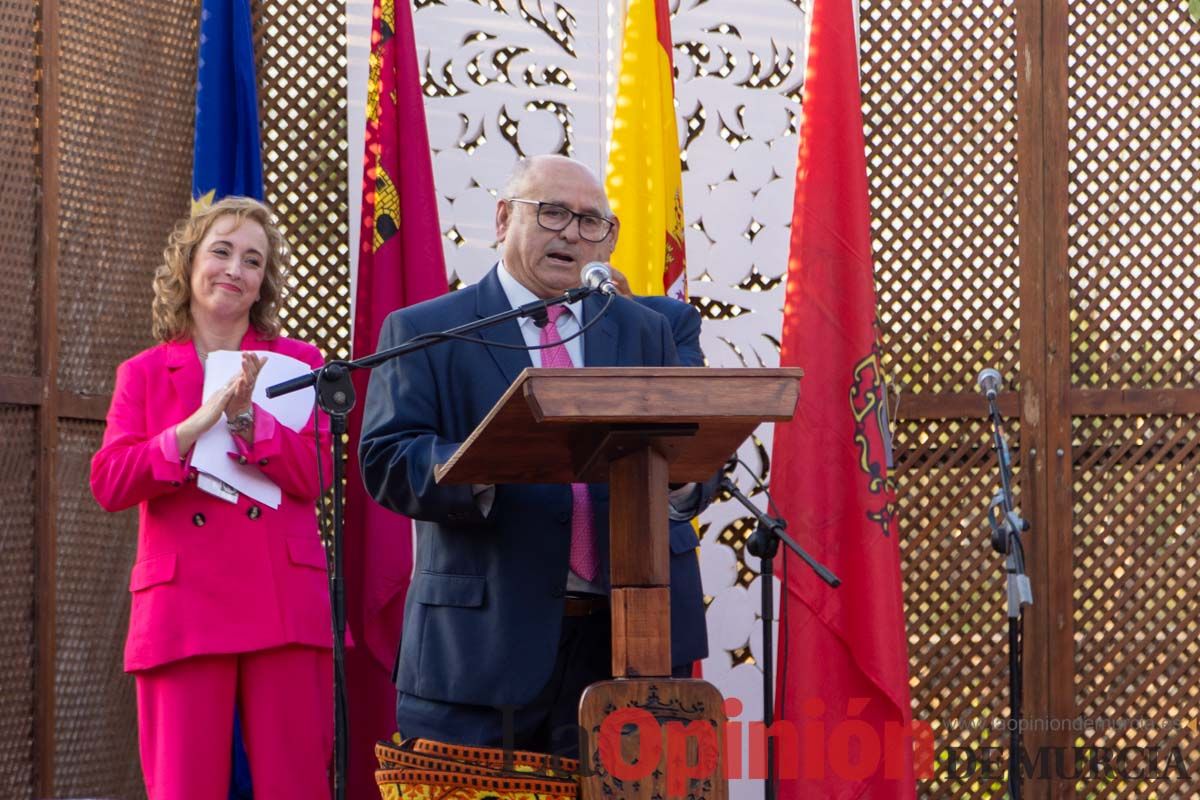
pixel 506 620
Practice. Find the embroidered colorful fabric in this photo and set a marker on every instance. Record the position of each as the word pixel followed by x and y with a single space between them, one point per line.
pixel 422 769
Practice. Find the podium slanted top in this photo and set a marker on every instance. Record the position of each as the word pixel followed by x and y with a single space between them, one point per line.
pixel 564 425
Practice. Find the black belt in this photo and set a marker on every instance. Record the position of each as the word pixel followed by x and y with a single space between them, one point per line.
pixel 576 605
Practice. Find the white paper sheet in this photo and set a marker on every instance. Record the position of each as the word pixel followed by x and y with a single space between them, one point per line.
pixel 293 410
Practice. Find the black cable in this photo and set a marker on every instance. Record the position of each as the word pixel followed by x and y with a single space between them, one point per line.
pixel 784 596
pixel 320 472
pixel 771 507
pixel 441 336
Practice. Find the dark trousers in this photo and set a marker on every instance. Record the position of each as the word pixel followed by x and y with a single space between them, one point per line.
pixel 548 724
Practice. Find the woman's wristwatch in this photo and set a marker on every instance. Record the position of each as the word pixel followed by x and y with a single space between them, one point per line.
pixel 241 422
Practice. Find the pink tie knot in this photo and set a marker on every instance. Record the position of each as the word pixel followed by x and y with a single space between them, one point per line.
pixel 554 312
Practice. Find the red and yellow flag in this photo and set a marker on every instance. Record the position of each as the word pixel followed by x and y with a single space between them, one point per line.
pixel 644 182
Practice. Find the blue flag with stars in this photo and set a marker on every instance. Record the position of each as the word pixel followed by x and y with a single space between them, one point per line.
pixel 227 155
pixel 227 160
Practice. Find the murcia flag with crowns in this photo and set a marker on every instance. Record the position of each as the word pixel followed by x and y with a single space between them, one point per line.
pixel 400 262
pixel 843 652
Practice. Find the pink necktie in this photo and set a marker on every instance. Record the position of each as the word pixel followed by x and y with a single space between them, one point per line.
pixel 583 540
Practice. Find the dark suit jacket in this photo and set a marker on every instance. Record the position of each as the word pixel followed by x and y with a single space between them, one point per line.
pixel 484 610
pixel 685 327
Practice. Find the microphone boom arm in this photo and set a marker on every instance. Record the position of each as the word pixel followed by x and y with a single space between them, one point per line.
pixel 531 309
pixel 767 546
pixel 764 544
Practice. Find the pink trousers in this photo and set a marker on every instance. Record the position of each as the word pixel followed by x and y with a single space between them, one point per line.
pixel 185 724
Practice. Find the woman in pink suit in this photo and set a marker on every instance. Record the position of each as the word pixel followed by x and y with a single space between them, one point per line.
pixel 230 601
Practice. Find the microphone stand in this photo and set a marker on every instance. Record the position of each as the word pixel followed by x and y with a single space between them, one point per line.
pixel 1007 525
pixel 336 397
pixel 764 543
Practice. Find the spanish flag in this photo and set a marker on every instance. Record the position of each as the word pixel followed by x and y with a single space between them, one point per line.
pixel 644 182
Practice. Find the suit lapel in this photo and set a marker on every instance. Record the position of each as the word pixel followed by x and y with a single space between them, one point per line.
pixel 491 299
pixel 601 340
pixel 185 373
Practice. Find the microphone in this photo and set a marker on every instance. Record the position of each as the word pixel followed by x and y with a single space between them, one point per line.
pixel 598 277
pixel 990 381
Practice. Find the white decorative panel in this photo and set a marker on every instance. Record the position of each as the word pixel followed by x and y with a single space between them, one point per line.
pixel 358 52
pixel 505 78
pixel 740 71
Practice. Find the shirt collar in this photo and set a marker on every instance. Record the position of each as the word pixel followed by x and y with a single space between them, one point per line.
pixel 518 295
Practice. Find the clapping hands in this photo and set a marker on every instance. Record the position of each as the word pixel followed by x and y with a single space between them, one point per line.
pixel 243 385
pixel 230 400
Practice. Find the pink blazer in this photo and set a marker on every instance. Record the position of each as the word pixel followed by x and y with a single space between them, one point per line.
pixel 212 576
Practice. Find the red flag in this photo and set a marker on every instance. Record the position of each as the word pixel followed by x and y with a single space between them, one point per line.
pixel 844 657
pixel 400 263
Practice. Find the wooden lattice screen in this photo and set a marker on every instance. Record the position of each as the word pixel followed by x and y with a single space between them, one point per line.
pixel 301 50
pixel 1034 173
pixel 1034 183
pixel 97 134
pixel 940 106
pixel 18 419
pixel 1132 249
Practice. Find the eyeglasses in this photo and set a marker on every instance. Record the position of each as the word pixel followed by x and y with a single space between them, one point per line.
pixel 554 217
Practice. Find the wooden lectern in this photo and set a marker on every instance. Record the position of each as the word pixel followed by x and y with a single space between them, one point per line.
pixel 637 428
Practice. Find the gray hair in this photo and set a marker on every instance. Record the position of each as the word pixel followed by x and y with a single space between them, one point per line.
pixel 522 170
pixel 516 180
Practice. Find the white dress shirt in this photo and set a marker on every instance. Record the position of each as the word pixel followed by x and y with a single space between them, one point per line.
pixel 568 324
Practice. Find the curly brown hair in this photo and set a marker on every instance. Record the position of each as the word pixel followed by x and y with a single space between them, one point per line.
pixel 171 311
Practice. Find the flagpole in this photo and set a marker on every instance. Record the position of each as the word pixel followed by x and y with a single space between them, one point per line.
pixel 764 544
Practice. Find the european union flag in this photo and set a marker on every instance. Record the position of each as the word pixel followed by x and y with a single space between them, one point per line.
pixel 227 159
